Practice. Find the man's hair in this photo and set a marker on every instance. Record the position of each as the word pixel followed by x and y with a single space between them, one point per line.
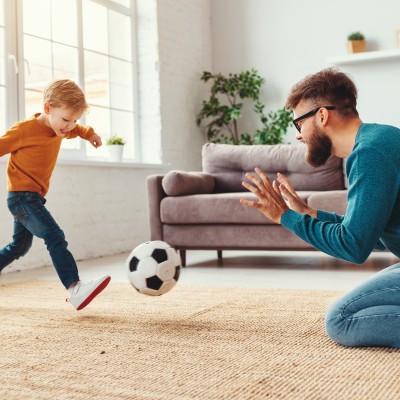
pixel 65 93
pixel 324 88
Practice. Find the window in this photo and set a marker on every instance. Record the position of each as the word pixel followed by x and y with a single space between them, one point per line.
pixel 2 74
pixel 88 41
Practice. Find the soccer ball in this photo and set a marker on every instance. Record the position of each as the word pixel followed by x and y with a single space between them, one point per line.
pixel 153 268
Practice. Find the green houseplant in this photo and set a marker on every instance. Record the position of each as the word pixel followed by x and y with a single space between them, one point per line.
pixel 225 105
pixel 115 147
pixel 356 42
pixel 115 140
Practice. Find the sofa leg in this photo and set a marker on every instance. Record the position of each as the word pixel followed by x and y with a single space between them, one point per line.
pixel 182 253
pixel 219 254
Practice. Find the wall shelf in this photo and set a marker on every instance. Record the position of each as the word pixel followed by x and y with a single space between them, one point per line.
pixel 368 56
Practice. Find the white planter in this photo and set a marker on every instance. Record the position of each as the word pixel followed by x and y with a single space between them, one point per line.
pixel 115 152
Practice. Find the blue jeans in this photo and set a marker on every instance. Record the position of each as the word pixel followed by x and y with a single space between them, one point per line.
pixel 370 314
pixel 32 218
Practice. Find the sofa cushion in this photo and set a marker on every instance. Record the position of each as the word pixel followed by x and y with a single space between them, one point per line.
pixel 229 163
pixel 218 208
pixel 332 201
pixel 179 183
pixel 233 237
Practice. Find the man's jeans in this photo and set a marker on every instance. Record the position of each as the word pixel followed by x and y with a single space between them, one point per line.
pixel 32 218
pixel 370 314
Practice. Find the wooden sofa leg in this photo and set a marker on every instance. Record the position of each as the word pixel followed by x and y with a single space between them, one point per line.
pixel 182 253
pixel 219 254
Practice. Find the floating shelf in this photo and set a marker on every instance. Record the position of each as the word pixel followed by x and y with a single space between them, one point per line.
pixel 368 56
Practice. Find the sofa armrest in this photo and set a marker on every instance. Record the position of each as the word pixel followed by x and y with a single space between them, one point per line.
pixel 155 193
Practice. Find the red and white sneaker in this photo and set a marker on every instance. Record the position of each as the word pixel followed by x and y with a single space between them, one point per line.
pixel 84 292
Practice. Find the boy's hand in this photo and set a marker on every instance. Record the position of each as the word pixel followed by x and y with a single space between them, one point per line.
pixel 95 141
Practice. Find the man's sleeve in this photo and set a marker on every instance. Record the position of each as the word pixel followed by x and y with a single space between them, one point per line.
pixel 329 216
pixel 371 198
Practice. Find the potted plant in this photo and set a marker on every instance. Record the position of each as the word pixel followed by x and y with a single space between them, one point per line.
pixel 115 147
pixel 356 42
pixel 225 105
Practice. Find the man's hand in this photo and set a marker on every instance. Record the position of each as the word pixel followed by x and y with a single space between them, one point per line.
pixel 293 199
pixel 270 202
pixel 95 141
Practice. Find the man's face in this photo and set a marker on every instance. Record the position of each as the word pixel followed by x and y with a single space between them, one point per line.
pixel 319 145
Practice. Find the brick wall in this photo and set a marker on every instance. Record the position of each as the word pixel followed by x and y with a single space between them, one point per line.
pixel 185 51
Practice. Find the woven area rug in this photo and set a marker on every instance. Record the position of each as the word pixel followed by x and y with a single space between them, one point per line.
pixel 192 343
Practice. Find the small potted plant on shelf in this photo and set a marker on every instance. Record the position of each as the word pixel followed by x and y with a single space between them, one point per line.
pixel 115 146
pixel 356 42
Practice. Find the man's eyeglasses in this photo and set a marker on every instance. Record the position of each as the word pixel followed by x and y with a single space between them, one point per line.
pixel 309 114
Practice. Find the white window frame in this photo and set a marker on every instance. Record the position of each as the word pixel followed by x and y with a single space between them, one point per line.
pixel 15 70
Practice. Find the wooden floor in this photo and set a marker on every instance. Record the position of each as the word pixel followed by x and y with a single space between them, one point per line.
pixel 257 269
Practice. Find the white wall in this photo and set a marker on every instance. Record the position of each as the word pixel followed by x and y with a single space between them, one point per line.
pixel 103 210
pixel 185 51
pixel 288 39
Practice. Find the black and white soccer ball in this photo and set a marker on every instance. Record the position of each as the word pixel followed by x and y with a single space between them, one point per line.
pixel 153 268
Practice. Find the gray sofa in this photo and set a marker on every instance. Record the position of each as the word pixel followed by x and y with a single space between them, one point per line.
pixel 201 210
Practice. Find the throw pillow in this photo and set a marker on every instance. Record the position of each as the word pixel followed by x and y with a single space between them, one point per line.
pixel 180 183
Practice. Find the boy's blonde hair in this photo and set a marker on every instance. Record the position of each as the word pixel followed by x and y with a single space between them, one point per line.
pixel 65 93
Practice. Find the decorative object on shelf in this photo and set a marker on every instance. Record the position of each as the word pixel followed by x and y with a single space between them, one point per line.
pixel 396 38
pixel 224 108
pixel 356 43
pixel 115 147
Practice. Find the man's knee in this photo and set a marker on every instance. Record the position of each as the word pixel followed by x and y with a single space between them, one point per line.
pixel 335 324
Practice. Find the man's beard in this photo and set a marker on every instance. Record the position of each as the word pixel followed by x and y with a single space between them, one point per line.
pixel 319 148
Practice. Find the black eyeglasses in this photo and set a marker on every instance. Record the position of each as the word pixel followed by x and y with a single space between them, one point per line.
pixel 309 114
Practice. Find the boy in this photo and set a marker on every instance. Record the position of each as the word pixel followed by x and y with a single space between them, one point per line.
pixel 34 145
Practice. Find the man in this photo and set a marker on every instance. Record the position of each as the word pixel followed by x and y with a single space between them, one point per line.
pixel 326 117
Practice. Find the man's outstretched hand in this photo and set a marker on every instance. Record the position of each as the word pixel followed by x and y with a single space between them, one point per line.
pixel 293 200
pixel 270 201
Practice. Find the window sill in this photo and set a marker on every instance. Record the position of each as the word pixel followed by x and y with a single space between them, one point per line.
pixel 105 163
pixel 100 162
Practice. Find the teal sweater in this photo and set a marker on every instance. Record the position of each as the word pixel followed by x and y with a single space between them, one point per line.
pixel 372 218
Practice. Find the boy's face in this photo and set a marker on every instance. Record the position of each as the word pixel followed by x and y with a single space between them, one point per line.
pixel 61 119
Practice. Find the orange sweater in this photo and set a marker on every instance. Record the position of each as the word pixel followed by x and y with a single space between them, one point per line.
pixel 34 149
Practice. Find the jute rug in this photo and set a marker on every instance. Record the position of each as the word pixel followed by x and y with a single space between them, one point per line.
pixel 192 343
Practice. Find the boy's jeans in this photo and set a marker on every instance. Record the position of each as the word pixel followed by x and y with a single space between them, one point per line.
pixel 370 314
pixel 32 218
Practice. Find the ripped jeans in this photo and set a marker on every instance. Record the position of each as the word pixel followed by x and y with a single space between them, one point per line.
pixel 31 218
pixel 369 315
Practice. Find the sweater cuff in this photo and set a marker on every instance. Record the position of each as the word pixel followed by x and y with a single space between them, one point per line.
pixel 291 218
pixel 329 216
pixel 325 215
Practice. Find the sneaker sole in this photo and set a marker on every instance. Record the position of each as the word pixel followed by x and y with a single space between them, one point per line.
pixel 97 291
